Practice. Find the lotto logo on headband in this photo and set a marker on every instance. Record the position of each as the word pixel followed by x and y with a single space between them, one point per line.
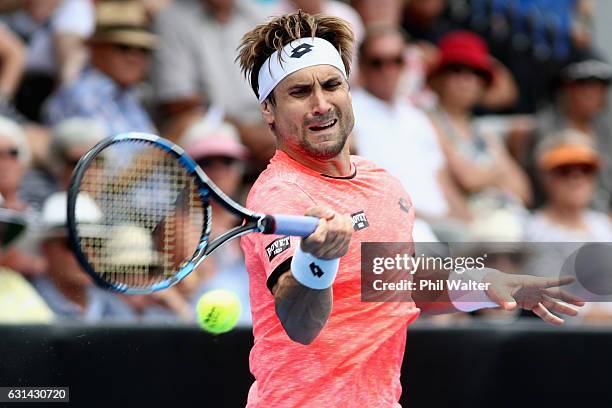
pixel 298 54
pixel 301 50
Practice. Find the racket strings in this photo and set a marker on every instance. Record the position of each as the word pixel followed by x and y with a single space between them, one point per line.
pixel 151 219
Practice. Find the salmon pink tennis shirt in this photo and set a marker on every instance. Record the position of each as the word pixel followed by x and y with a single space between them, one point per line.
pixel 356 359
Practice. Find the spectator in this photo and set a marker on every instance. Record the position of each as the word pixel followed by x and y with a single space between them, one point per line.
pixel 195 69
pixel 418 56
pixel 19 302
pixel 54 32
pixel 67 289
pixel 70 140
pixel 568 165
pixel 120 51
pixel 479 163
pixel 426 24
pixel 581 101
pixel 14 161
pixel 217 149
pixel 409 148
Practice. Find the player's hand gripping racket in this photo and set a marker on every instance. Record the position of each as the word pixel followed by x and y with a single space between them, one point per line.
pixel 149 218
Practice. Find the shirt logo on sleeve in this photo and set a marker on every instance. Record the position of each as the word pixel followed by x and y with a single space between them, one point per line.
pixel 278 246
pixel 404 205
pixel 360 221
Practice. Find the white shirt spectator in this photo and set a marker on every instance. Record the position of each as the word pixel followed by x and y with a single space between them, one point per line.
pixel 401 139
pixel 540 228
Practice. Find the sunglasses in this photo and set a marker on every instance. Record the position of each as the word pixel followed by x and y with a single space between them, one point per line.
pixel 379 62
pixel 129 48
pixel 571 169
pixel 211 161
pixel 9 153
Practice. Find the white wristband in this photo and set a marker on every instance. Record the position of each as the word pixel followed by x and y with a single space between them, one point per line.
pixel 470 300
pixel 313 272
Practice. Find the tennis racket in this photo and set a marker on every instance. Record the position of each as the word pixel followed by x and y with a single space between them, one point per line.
pixel 149 215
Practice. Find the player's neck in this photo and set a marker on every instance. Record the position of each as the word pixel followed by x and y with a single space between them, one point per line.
pixel 338 166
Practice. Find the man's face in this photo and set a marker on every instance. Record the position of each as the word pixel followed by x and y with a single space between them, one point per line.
pixel 126 65
pixel 587 98
pixel 460 86
pixel 313 113
pixel 11 168
pixel 571 186
pixel 382 64
pixel 226 172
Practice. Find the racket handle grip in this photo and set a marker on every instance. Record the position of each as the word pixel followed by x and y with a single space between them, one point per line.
pixel 295 225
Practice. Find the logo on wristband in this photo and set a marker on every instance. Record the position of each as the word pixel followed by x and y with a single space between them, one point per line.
pixel 316 270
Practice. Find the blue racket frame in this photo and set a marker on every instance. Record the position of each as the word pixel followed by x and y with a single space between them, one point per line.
pixel 254 222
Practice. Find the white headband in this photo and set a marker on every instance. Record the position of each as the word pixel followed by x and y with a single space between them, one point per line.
pixel 298 54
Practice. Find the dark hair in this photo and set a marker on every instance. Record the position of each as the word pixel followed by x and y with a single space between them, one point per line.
pixel 261 42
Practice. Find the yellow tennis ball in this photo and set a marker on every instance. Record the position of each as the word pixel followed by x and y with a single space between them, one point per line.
pixel 218 311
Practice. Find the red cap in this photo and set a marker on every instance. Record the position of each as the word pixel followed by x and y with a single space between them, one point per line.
pixel 465 48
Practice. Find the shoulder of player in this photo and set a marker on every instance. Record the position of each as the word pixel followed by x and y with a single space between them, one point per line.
pixel 270 183
pixel 366 167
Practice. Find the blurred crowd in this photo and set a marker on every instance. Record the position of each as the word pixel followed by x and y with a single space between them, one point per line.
pixel 490 112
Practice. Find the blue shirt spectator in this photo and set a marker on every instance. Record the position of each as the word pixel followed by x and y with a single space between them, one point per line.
pixel 96 95
pixel 120 54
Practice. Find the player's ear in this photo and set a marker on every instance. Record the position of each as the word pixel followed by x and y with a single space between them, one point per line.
pixel 267 111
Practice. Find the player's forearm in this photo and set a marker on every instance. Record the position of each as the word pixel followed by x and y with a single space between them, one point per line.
pixel 302 311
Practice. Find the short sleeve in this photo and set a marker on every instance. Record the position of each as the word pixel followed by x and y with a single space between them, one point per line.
pixel 270 255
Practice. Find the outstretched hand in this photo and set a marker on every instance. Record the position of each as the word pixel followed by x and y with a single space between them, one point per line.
pixel 543 296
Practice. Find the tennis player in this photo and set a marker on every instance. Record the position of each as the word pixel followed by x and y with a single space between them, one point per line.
pixel 316 343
